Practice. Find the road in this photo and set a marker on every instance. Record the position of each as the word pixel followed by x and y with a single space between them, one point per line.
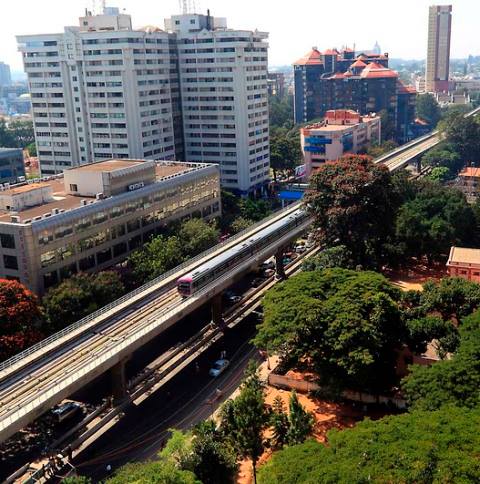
pixel 182 403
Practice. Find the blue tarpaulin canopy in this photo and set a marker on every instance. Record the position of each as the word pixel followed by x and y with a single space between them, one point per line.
pixel 290 195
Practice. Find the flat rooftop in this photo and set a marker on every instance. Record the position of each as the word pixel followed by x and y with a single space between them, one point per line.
pixel 65 201
pixel 108 165
pixel 463 255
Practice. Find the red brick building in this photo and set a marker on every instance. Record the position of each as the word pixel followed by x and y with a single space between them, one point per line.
pixel 464 263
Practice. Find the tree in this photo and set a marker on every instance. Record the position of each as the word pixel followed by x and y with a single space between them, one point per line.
pixel 452 297
pixel 443 157
pixel 250 419
pixel 346 323
pixel 240 224
pixel 428 109
pixel 281 112
pixel 455 381
pixel 213 458
pixel 285 150
pixel 197 236
pixel 300 421
pixel 21 320
pixel 22 133
pixel 76 480
pixel 463 134
pixel 178 450
pixel 255 210
pixel 279 423
pixel 32 149
pixel 389 132
pixel 377 150
pixel 418 447
pixel 338 256
pixel 437 218
pixel 353 203
pixel 156 257
pixel 79 296
pixel 156 472
pixel 6 137
pixel 440 174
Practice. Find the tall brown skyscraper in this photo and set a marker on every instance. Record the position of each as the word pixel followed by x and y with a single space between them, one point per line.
pixel 438 55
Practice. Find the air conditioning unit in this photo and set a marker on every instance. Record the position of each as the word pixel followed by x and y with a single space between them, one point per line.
pixel 21 179
pixel 15 219
pixel 55 211
pixel 83 202
pixel 6 186
pixel 99 196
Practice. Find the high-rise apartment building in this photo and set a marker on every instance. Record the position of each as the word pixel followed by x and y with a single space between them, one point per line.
pixel 194 92
pixel 347 80
pixel 5 75
pixel 224 93
pixel 438 53
pixel 101 90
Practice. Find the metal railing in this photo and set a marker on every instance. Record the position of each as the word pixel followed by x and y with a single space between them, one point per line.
pixel 20 410
pixel 98 313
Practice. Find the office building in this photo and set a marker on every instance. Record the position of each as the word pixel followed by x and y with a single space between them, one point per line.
pixel 100 90
pixel 334 80
pixel 223 81
pixel 276 84
pixel 12 167
pixel 342 131
pixel 5 75
pixel 438 51
pixel 195 92
pixel 92 216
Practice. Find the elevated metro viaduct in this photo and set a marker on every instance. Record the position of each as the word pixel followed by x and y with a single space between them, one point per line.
pixel 40 377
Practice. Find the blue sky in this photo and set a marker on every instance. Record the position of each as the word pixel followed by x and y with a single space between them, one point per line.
pixel 400 26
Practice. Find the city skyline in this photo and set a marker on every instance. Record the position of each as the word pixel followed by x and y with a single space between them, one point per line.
pixel 306 31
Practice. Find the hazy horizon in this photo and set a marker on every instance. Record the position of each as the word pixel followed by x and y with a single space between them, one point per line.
pixel 400 31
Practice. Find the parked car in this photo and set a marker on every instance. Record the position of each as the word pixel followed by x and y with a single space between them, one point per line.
pixel 268 264
pixel 300 248
pixel 66 410
pixel 233 298
pixel 258 281
pixel 218 368
pixel 268 273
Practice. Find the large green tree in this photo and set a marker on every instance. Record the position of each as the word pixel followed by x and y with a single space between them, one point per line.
pixel 428 109
pixel 419 447
pixel 285 150
pixel 347 323
pixel 463 135
pixel 79 296
pixel 454 381
pixel 444 156
pixel 437 218
pixel 197 235
pixel 353 202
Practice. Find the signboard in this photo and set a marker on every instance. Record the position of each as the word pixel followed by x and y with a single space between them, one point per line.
pixel 135 186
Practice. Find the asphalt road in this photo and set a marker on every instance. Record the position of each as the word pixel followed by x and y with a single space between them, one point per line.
pixel 190 397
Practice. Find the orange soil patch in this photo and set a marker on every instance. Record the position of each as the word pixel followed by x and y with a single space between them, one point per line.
pixel 415 275
pixel 327 416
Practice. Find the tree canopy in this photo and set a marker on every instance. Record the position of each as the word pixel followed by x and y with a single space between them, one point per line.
pixel 428 109
pixel 79 296
pixel 285 150
pixel 348 323
pixel 353 202
pixel 422 447
pixel 455 381
pixel 437 218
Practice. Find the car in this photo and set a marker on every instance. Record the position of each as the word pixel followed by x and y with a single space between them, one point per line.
pixel 218 368
pixel 66 410
pixel 258 281
pixel 234 299
pixel 300 249
pixel 268 264
pixel 268 273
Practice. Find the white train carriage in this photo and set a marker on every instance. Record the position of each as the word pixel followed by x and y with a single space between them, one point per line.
pixel 206 273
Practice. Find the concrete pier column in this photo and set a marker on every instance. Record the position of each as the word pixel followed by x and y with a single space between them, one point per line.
pixel 119 382
pixel 279 268
pixel 216 304
pixel 418 164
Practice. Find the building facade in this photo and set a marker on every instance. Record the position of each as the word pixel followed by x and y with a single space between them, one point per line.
pixel 224 95
pixel 464 263
pixel 12 167
pixel 342 131
pixel 93 216
pixel 334 80
pixel 100 90
pixel 438 50
pixel 195 92
pixel 5 75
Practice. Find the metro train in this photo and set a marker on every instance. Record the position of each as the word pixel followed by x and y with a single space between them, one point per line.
pixel 206 273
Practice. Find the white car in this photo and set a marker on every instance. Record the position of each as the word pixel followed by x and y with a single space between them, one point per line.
pixel 218 368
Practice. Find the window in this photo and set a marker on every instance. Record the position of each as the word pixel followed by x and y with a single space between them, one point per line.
pixel 7 241
pixel 104 256
pixel 73 187
pixel 133 225
pixel 87 263
pixel 119 249
pixel 50 279
pixel 10 262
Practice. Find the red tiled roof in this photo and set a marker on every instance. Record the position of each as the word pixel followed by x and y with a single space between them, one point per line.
pixel 337 75
pixel 331 52
pixel 348 74
pixel 471 171
pixel 377 71
pixel 312 58
pixel 402 88
pixel 358 63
